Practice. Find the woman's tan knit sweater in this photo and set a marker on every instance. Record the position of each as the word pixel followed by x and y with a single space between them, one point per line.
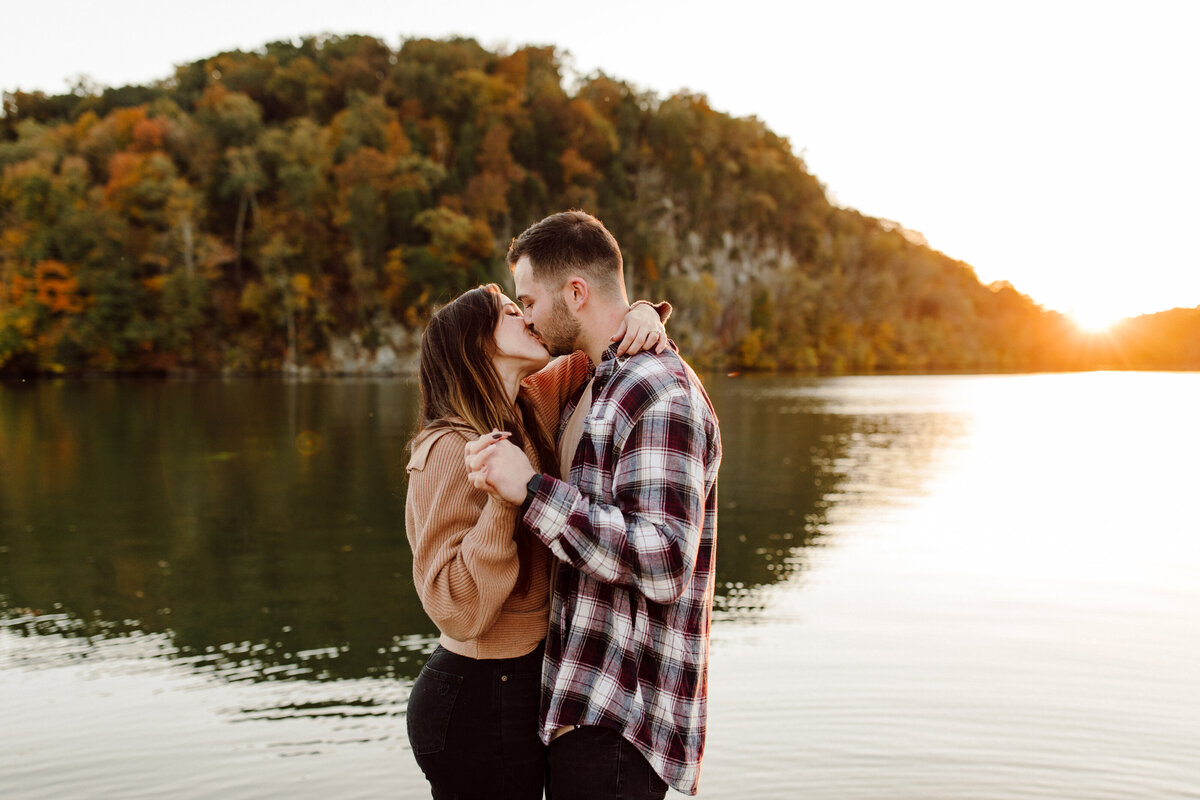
pixel 464 552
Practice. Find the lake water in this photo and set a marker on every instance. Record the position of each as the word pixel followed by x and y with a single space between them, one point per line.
pixel 930 587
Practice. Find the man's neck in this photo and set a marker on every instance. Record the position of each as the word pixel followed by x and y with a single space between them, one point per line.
pixel 599 328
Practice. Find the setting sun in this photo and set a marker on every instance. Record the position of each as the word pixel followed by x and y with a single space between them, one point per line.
pixel 1095 309
pixel 1094 321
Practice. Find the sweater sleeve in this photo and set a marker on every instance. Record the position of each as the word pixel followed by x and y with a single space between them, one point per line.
pixel 550 388
pixel 464 556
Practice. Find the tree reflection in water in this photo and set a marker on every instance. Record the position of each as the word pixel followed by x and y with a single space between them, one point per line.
pixel 254 528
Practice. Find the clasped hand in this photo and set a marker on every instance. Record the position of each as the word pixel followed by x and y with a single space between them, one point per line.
pixel 641 329
pixel 497 466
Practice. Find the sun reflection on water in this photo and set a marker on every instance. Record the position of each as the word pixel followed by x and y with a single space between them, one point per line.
pixel 959 585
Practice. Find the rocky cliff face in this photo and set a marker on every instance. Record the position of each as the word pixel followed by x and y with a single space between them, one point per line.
pixel 395 352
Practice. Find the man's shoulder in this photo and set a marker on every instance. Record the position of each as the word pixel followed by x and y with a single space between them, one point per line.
pixel 664 387
pixel 655 371
pixel 649 377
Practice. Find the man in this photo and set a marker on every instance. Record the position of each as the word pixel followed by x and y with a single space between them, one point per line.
pixel 632 524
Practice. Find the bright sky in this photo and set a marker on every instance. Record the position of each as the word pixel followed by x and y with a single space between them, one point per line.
pixel 1055 145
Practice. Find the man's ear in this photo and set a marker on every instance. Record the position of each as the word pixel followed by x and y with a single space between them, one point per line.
pixel 576 292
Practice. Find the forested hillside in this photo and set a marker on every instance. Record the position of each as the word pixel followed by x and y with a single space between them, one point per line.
pixel 258 211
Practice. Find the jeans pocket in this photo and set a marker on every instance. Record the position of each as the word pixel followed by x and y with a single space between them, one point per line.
pixel 430 705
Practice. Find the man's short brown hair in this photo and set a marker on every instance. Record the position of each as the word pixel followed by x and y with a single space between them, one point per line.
pixel 571 243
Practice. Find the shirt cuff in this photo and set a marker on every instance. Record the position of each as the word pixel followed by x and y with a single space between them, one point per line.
pixel 531 490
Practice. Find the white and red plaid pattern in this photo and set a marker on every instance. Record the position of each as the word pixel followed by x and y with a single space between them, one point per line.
pixel 635 531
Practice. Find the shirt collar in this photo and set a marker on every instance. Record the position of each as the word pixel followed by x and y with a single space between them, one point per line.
pixel 610 362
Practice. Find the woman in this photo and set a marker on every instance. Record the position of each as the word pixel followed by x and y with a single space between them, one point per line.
pixel 473 710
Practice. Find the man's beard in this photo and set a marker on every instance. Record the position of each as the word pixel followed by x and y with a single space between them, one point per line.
pixel 561 333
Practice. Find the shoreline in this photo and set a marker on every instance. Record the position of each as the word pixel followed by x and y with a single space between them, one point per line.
pixel 309 373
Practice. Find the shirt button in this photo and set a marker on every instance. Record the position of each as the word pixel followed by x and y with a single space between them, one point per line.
pixel 504 678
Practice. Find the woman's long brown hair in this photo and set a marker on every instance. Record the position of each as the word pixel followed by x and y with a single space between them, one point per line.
pixel 458 379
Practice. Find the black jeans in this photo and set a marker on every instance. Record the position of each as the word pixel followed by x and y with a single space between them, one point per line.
pixel 473 726
pixel 594 763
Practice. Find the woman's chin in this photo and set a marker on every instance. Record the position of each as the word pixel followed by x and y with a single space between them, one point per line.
pixel 533 364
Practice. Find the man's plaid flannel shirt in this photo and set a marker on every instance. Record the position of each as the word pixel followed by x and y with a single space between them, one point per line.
pixel 634 529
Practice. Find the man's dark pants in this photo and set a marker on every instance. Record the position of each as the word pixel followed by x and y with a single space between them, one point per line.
pixel 594 763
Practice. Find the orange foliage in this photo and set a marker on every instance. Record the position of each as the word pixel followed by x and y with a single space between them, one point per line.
pixel 397 276
pixel 344 177
pixel 57 288
pixel 213 97
pixel 591 131
pixel 514 69
pixel 125 173
pixel 17 289
pixel 487 191
pixel 487 194
pixel 125 122
pixel 12 239
pixel 366 166
pixel 650 268
pixel 302 291
pixel 398 143
pixel 139 183
pixel 575 166
pixel 84 125
pixel 149 134
pixel 494 154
